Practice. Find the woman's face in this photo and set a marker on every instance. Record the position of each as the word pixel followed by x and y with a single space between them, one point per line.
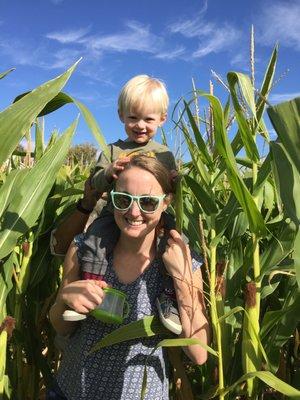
pixel 134 222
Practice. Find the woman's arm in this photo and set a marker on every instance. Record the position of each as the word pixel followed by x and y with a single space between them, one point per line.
pixel 189 292
pixel 79 295
pixel 75 223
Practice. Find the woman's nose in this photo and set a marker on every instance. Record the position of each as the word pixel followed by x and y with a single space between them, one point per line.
pixel 134 209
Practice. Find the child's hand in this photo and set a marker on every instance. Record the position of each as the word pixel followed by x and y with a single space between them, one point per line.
pixel 174 175
pixel 115 168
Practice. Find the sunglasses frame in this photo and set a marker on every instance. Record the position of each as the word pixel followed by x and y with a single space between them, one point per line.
pixel 137 199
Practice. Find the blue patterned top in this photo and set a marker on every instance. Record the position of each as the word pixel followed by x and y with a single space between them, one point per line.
pixel 116 372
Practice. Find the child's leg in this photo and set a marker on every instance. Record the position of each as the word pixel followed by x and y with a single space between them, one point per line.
pixel 166 302
pixel 101 237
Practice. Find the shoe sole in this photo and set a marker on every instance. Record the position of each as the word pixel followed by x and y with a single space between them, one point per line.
pixel 167 324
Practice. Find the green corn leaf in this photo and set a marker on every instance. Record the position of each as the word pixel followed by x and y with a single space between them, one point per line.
pixel 3 74
pixel 285 118
pixel 185 342
pixel 267 83
pixel 146 327
pixel 266 377
pixel 197 163
pixel 287 179
pixel 39 140
pixel 205 200
pixel 62 99
pixel 17 119
pixel 7 191
pixel 5 284
pixel 28 201
pixel 245 130
pixel 202 146
pixel 238 186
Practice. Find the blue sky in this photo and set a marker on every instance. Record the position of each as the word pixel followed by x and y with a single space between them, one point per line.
pixel 172 40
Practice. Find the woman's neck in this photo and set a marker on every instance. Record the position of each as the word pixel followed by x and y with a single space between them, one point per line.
pixel 143 246
pixel 131 257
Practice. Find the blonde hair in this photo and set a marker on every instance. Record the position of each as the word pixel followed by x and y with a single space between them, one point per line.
pixel 143 91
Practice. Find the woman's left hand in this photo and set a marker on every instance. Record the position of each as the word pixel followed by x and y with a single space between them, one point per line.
pixel 177 256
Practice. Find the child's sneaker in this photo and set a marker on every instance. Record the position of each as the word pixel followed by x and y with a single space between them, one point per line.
pixel 168 313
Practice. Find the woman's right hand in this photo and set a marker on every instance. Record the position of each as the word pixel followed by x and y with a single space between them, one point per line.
pixel 82 296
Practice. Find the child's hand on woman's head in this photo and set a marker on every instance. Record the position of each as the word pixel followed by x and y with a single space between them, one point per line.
pixel 115 168
pixel 84 295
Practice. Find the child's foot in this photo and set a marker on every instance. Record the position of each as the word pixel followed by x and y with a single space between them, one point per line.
pixel 168 313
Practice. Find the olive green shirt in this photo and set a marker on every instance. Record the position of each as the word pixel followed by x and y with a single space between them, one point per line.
pixel 122 148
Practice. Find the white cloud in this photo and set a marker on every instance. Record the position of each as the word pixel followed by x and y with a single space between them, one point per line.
pixel 212 37
pixel 137 37
pixel 195 27
pixel 69 36
pixel 220 40
pixel 63 58
pixel 279 21
pixel 56 2
pixel 172 54
pixel 280 97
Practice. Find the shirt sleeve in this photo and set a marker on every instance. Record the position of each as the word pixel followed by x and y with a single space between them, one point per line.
pixel 99 180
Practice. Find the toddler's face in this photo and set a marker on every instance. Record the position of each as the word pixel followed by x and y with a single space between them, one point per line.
pixel 141 125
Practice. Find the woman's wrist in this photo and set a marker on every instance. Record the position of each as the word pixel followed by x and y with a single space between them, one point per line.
pixel 84 206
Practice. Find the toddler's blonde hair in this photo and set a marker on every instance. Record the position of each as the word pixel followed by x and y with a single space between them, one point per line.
pixel 143 91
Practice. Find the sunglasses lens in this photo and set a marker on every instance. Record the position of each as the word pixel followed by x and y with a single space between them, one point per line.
pixel 121 201
pixel 149 204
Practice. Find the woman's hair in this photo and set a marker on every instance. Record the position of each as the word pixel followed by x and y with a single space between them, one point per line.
pixel 156 168
pixel 143 91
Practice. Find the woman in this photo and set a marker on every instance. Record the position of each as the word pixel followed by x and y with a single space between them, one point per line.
pixel 143 191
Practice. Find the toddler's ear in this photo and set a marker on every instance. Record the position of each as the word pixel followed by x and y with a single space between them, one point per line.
pixel 121 116
pixel 163 119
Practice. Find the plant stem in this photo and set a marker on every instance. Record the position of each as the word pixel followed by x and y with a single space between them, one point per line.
pixel 214 312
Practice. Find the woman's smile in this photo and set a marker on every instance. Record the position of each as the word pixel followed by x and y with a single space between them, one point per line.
pixel 134 222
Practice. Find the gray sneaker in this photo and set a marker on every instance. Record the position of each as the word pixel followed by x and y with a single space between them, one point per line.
pixel 168 313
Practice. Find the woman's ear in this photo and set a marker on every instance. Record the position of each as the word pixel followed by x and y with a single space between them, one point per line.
pixel 167 201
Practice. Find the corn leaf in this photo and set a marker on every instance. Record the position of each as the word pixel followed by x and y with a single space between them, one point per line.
pixel 7 191
pixel 28 202
pixel 5 284
pixel 285 118
pixel 205 200
pixel 17 119
pixel 3 74
pixel 202 147
pixel 146 327
pixel 267 83
pixel 62 99
pixel 245 130
pixel 238 186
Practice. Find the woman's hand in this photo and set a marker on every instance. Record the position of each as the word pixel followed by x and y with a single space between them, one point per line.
pixel 82 296
pixel 177 257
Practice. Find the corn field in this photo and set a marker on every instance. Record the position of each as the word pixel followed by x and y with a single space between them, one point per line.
pixel 239 210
